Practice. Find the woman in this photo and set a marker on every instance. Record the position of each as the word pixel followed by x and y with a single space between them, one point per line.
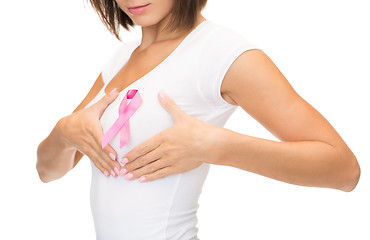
pixel 206 71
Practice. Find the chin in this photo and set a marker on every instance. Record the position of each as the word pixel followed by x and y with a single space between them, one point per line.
pixel 145 22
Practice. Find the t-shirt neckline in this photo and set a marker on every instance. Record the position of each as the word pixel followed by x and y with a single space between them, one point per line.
pixel 161 64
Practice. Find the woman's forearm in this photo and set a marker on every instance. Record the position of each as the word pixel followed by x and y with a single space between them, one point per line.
pixel 54 157
pixel 306 163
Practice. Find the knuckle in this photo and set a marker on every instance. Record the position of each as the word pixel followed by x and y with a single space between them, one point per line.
pixel 87 127
pixel 87 145
pixel 115 164
pixel 111 165
pixel 106 158
pixel 100 168
pixel 142 150
pixel 106 164
pixel 161 174
pixel 127 166
pixel 166 151
pixel 165 137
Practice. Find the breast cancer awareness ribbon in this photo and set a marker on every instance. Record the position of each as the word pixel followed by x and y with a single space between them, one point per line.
pixel 122 123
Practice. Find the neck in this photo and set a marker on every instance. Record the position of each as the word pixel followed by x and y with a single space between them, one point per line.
pixel 155 33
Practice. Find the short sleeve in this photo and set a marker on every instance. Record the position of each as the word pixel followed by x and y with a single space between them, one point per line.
pixel 223 67
pixel 216 53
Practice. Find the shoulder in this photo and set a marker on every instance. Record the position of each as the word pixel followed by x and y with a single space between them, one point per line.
pixel 226 36
pixel 221 45
pixel 252 71
pixel 220 49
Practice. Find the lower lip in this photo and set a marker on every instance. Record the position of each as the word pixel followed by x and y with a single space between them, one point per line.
pixel 138 10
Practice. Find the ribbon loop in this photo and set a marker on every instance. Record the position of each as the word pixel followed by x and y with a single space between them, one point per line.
pixel 122 124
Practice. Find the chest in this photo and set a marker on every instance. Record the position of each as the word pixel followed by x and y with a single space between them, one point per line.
pixel 140 64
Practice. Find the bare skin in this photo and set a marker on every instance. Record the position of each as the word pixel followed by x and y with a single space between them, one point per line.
pixel 56 154
pixel 145 59
pixel 142 61
pixel 80 132
pixel 311 152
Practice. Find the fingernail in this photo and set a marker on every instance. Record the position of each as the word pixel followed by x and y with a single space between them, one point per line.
pixel 113 174
pixel 106 173
pixel 142 179
pixel 112 91
pixel 162 94
pixel 111 155
pixel 124 160
pixel 129 176
pixel 116 170
pixel 123 171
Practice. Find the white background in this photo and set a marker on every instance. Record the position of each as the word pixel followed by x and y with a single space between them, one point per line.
pixel 52 52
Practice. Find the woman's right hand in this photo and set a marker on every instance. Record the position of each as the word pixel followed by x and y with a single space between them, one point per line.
pixel 83 131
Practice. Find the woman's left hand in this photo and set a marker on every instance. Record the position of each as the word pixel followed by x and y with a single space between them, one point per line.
pixel 185 145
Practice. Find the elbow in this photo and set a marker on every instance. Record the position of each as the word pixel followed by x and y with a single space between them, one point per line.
pixel 47 175
pixel 39 167
pixel 41 173
pixel 352 176
pixel 42 170
pixel 44 173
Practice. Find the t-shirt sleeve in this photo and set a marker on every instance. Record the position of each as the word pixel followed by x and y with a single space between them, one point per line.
pixel 215 61
pixel 231 55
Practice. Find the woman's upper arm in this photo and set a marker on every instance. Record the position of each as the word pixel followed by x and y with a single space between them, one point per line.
pixel 256 84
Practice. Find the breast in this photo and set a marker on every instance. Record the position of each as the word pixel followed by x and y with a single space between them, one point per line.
pixel 129 209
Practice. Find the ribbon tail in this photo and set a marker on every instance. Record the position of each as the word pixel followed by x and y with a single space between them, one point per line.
pixel 125 134
pixel 113 130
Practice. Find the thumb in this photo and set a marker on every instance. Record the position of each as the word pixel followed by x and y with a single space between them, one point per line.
pixel 103 103
pixel 171 107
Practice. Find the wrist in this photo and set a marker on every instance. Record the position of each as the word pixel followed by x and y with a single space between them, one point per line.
pixel 218 139
pixel 58 133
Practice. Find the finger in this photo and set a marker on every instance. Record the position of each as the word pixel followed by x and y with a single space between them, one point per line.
pixel 144 148
pixel 101 158
pixel 143 160
pixel 115 167
pixel 87 149
pixel 172 108
pixel 94 158
pixel 147 169
pixel 160 173
pixel 103 103
pixel 99 166
pixel 111 152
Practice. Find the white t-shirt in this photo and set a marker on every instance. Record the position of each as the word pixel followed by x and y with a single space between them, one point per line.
pixel 166 208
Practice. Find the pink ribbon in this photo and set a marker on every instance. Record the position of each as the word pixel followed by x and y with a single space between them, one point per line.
pixel 122 122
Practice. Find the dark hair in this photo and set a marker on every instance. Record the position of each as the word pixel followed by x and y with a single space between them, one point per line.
pixel 183 16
